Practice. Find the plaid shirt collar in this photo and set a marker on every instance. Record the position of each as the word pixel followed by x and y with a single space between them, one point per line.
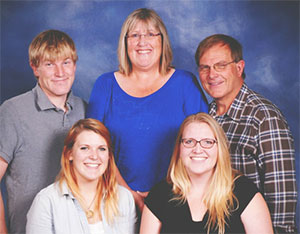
pixel 235 110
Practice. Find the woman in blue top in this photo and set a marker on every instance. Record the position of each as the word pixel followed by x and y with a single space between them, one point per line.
pixel 144 102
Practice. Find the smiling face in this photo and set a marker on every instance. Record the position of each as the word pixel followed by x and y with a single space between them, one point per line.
pixel 89 156
pixel 55 77
pixel 198 161
pixel 144 53
pixel 222 86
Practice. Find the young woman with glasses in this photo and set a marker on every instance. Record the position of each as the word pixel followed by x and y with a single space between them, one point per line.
pixel 202 193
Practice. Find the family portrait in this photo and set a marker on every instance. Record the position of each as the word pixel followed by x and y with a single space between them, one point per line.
pixel 176 116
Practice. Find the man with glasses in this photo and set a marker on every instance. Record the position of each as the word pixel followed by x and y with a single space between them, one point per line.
pixel 261 144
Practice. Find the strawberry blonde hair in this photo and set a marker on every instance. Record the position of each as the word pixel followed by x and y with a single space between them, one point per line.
pixel 107 184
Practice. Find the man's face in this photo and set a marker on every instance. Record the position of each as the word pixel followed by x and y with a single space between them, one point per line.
pixel 55 77
pixel 222 85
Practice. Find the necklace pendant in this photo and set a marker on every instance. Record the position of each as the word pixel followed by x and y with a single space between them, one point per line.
pixel 89 214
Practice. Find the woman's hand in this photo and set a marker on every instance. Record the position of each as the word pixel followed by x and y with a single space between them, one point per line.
pixel 139 198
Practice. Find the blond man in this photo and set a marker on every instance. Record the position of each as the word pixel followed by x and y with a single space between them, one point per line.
pixel 33 126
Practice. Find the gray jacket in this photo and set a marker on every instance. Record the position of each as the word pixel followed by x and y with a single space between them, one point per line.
pixel 53 211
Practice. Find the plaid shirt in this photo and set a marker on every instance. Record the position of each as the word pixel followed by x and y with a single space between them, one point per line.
pixel 262 147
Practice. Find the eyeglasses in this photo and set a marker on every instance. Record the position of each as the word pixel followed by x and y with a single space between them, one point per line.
pixel 219 67
pixel 148 36
pixel 205 143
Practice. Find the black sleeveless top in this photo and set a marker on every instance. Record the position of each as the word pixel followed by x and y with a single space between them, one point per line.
pixel 176 217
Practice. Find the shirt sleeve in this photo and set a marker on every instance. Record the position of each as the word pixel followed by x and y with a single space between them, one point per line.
pixel 128 226
pixel 10 138
pixel 244 190
pixel 100 96
pixel 157 199
pixel 39 216
pixel 195 99
pixel 277 164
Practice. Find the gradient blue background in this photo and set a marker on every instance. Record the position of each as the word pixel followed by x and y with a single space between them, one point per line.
pixel 268 31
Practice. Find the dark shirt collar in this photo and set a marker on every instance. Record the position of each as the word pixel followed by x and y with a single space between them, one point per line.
pixel 235 110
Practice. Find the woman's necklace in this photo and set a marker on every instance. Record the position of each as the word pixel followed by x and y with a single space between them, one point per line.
pixel 89 212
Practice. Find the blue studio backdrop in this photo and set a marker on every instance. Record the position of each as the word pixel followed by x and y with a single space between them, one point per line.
pixel 268 31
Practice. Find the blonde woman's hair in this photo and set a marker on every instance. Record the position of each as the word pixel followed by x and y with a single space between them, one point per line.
pixel 147 16
pixel 51 45
pixel 219 197
pixel 107 184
